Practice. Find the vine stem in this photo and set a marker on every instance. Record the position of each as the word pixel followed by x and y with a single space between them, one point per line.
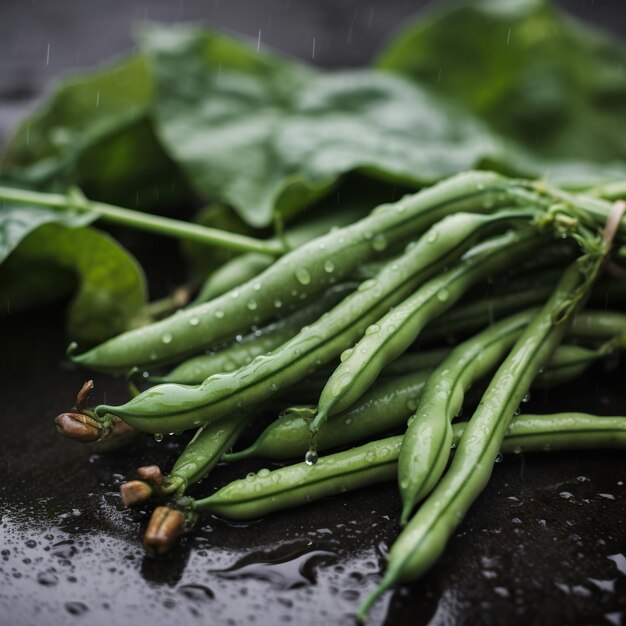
pixel 143 221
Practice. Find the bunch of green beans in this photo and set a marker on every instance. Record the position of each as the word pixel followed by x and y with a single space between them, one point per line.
pixel 336 326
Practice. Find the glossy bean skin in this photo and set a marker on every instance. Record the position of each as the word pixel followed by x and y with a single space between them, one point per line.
pixel 296 276
pixel 241 353
pixel 203 453
pixel 376 462
pixel 399 328
pixel 170 407
pixel 424 538
pixel 388 404
pixel 246 267
pixel 426 448
pixel 241 269
pixel 383 408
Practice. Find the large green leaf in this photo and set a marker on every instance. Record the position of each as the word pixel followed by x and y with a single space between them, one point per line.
pixel 532 73
pixel 110 285
pixel 95 132
pixel 265 134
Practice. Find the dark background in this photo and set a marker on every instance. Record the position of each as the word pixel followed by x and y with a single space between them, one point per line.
pixel 545 543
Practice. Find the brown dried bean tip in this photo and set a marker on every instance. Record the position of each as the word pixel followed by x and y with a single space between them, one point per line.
pixel 135 492
pixel 83 395
pixel 78 426
pixel 164 528
pixel 151 474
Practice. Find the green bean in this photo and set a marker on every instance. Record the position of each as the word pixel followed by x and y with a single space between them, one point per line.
pixel 195 370
pixel 612 323
pixel 427 442
pixel 388 404
pixel 425 536
pixel 570 362
pixel 247 266
pixel 383 408
pixel 233 273
pixel 398 329
pixel 479 313
pixel 298 275
pixel 200 456
pixel 376 462
pixel 173 407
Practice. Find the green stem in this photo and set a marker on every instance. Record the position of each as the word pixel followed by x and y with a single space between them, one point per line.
pixel 143 221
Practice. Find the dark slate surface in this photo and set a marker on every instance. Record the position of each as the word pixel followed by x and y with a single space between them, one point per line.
pixel 545 543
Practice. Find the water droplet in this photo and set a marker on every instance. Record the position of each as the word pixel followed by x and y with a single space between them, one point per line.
pixel 526 397
pixel 263 473
pixel 329 266
pixel 303 276
pixel 346 354
pixel 277 304
pixel 158 437
pixel 373 329
pixel 252 305
pixel 194 321
pixel 432 236
pixel 443 295
pixel 219 314
pixel 310 458
pixel 379 243
pixel 517 411
pixel 256 286
pixel 167 338
pixel 498 458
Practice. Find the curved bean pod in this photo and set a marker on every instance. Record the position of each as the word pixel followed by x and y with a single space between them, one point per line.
pixel 376 462
pixel 297 275
pixel 425 536
pixel 399 328
pixel 173 407
pixel 232 357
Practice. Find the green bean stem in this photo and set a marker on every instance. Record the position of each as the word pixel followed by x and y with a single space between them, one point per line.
pixel 376 462
pixel 425 536
pixel 142 221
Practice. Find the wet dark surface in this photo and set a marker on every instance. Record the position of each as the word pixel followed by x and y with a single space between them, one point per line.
pixel 544 544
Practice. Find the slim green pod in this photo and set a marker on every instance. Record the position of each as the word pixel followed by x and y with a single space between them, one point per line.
pixel 388 404
pixel 298 275
pixel 426 447
pixel 240 353
pixel 383 408
pixel 376 462
pixel 398 329
pixel 203 453
pixel 424 538
pixel 173 407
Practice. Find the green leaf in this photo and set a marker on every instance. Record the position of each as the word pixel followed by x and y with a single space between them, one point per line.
pixel 110 284
pixel 95 132
pixel 533 74
pixel 17 222
pixel 264 134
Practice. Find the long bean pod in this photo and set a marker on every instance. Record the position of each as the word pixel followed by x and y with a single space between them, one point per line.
pixel 173 407
pixel 389 403
pixel 425 536
pixel 199 457
pixel 300 274
pixel 376 462
pixel 399 328
pixel 240 353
